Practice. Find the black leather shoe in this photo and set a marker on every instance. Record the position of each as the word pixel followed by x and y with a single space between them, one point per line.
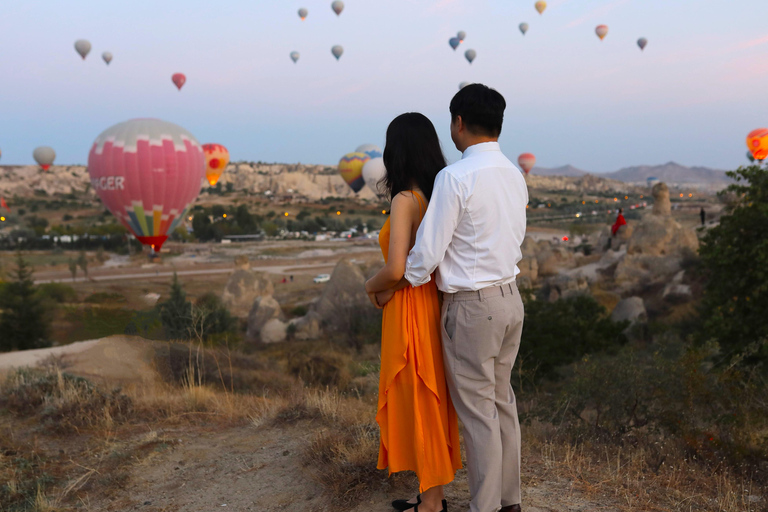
pixel 511 508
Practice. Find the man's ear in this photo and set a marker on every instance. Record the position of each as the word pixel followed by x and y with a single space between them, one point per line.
pixel 459 124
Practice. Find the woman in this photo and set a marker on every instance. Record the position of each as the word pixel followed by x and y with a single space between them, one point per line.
pixel 419 427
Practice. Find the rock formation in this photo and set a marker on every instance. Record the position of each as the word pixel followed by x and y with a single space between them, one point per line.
pixel 632 309
pixel 244 287
pixel 264 309
pixel 274 331
pixel 661 206
pixel 342 296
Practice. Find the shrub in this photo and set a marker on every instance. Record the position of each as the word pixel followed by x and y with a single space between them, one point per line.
pixel 105 298
pixel 23 319
pixel 57 292
pixel 326 368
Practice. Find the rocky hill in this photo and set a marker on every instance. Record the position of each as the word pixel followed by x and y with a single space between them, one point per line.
pixel 565 170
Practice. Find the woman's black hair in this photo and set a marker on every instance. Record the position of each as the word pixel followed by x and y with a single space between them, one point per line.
pixel 412 155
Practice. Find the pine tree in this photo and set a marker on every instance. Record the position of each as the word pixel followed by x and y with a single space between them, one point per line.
pixel 23 320
pixel 176 313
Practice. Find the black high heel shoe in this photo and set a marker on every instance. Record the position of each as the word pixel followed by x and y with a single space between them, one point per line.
pixel 404 505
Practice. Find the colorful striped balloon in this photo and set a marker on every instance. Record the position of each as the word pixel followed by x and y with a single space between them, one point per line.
pixel 351 169
pixel 216 160
pixel 147 172
pixel 757 142
pixel 526 161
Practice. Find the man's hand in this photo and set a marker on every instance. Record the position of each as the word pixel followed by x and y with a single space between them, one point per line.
pixel 383 297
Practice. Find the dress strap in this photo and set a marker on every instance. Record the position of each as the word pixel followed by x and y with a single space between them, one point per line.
pixel 422 203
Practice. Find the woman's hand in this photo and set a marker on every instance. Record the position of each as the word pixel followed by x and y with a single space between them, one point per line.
pixel 383 297
pixel 374 301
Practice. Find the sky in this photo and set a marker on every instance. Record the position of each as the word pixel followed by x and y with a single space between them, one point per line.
pixel 691 97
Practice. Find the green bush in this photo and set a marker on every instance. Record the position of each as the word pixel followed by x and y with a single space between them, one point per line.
pixel 105 298
pixel 57 292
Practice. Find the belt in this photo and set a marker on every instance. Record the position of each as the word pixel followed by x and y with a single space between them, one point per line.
pixel 482 294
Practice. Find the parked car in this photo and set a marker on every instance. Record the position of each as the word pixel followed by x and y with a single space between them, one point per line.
pixel 322 278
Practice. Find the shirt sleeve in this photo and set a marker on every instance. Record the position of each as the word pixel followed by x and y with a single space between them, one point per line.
pixel 445 209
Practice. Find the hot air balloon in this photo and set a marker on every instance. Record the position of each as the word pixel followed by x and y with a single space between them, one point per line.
pixel 107 57
pixel 454 42
pixel 295 57
pixel 372 150
pixel 523 28
pixel 351 169
pixel 147 172
pixel 601 31
pixel 642 43
pixel 541 5
pixel 463 85
pixel 337 51
pixel 44 156
pixel 373 172
pixel 337 7
pixel 526 161
pixel 216 160
pixel 750 157
pixel 757 142
pixel 179 79
pixel 303 13
pixel 461 35
pixel 82 46
pixel 470 55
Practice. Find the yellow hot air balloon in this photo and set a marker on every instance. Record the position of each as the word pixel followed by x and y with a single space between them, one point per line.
pixel 541 5
pixel 216 159
pixel 351 169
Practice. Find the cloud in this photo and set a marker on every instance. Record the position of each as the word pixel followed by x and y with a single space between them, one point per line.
pixel 600 11
pixel 753 42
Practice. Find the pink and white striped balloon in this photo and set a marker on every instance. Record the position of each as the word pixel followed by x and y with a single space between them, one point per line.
pixel 147 172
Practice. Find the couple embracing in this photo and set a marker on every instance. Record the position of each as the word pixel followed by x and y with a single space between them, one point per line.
pixel 449 343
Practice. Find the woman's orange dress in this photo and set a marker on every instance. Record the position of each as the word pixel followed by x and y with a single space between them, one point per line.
pixel 419 427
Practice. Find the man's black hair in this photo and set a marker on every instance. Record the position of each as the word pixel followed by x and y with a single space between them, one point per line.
pixel 481 108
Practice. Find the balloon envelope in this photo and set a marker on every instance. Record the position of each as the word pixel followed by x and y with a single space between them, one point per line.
pixel 526 161
pixel 44 156
pixel 461 35
pixel 372 150
pixel 750 157
pixel 295 57
pixel 216 160
pixel 463 85
pixel 179 79
pixel 373 172
pixel 523 28
pixel 757 142
pixel 147 172
pixel 470 55
pixel 642 43
pixel 601 31
pixel 107 57
pixel 303 13
pixel 337 7
pixel 337 51
pixel 82 47
pixel 454 42
pixel 351 169
pixel 541 5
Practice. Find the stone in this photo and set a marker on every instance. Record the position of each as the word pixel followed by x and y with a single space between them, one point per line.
pixel 551 261
pixel 264 309
pixel 662 207
pixel 675 290
pixel 529 247
pixel 308 327
pixel 662 236
pixel 274 331
pixel 632 309
pixel 342 296
pixel 529 268
pixel 243 288
pixel 564 286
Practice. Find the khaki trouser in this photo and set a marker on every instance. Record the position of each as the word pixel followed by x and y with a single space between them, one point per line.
pixel 481 336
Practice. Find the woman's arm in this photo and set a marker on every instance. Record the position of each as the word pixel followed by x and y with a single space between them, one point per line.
pixel 404 214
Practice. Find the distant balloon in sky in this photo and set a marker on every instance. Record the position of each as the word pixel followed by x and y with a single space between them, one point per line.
pixel 295 57
pixel 107 57
pixel 523 28
pixel 44 156
pixel 372 150
pixel 351 169
pixel 463 85
pixel 337 7
pixel 147 172
pixel 757 142
pixel 642 43
pixel 526 161
pixel 179 79
pixel 454 42
pixel 470 55
pixel 337 51
pixel 541 6
pixel 216 160
pixel 82 47
pixel 461 35
pixel 303 13
pixel 601 31
pixel 373 172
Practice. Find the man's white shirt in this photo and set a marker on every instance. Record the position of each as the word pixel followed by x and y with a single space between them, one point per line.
pixel 474 225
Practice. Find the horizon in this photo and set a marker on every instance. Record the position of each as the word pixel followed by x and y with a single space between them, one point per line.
pixel 572 99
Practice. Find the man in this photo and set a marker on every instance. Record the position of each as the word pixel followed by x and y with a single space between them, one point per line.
pixel 471 234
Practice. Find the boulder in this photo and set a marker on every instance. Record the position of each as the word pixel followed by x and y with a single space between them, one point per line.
pixel 342 296
pixel 662 236
pixel 529 247
pixel 632 309
pixel 662 207
pixel 274 331
pixel 243 288
pixel 554 259
pixel 564 286
pixel 308 327
pixel 529 268
pixel 264 309
pixel 676 291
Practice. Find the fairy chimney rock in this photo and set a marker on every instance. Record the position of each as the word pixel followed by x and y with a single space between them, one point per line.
pixel 661 206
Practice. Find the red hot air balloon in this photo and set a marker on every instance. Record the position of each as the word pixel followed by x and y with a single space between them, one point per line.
pixel 526 161
pixel 757 142
pixel 179 80
pixel 147 172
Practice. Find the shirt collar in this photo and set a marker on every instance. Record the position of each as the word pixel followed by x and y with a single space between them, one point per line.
pixel 479 148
